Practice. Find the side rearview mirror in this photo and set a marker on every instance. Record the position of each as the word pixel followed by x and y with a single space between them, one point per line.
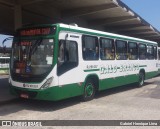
pixel 3 43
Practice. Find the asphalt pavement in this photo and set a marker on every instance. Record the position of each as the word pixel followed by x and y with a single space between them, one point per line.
pixel 5 96
pixel 121 103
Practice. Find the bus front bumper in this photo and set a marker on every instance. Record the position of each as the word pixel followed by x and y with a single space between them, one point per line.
pixel 53 93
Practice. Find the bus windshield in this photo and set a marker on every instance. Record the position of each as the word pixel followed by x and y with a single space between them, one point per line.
pixel 32 57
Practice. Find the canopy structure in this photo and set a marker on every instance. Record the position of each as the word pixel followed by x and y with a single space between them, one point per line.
pixel 106 15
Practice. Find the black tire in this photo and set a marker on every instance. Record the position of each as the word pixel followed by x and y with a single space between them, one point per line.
pixel 89 91
pixel 141 79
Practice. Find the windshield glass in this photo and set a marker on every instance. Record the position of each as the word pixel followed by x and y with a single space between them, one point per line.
pixel 32 57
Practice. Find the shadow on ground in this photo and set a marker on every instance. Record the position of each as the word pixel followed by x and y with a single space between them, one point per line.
pixel 50 106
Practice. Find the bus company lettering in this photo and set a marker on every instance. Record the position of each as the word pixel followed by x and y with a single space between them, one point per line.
pixel 122 68
pixel 30 85
pixel 92 66
pixel 33 32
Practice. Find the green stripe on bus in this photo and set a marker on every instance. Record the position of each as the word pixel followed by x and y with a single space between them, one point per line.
pixel 91 70
pixel 70 90
pixel 4 68
pixel 143 66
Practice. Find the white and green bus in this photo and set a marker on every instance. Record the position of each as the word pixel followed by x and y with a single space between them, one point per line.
pixel 4 65
pixel 58 61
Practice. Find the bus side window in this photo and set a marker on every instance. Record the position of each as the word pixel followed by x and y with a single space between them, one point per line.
pixel 132 51
pixel 150 52
pixel 2 61
pixel 121 50
pixel 142 51
pixel 107 49
pixel 90 47
pixel 67 56
pixel 155 52
pixel 158 54
pixel 7 61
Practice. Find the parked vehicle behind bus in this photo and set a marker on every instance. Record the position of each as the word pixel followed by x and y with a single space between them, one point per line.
pixel 4 65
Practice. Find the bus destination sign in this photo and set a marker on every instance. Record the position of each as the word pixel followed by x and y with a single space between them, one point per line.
pixel 42 31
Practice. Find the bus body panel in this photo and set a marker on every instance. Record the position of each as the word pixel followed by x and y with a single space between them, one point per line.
pixel 111 73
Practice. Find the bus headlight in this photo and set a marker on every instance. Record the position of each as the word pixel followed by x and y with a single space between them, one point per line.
pixel 47 83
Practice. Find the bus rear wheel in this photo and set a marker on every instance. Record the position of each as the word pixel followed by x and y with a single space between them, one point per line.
pixel 89 91
pixel 141 79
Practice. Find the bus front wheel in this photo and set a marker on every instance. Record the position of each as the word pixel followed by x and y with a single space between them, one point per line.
pixel 89 91
pixel 141 79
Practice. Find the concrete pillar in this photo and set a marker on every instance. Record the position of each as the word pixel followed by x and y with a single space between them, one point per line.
pixel 17 16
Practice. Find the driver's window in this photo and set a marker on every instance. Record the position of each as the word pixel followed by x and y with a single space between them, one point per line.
pixel 67 56
pixel 61 53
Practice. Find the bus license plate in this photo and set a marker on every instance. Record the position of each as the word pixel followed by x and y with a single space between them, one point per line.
pixel 24 96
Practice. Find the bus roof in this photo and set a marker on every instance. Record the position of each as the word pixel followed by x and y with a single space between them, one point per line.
pixel 104 33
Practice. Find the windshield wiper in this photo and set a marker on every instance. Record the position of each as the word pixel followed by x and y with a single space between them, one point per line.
pixel 32 50
pixel 37 43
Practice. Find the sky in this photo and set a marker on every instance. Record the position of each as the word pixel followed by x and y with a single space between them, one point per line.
pixel 147 9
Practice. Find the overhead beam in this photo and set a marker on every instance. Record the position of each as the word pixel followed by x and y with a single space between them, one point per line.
pixel 120 21
pixel 136 31
pixel 156 39
pixel 7 2
pixel 29 2
pixel 118 28
pixel 152 36
pixel 146 35
pixel 7 32
pixel 17 16
pixel 101 22
pixel 36 14
pixel 87 10
pixel 143 31
pixel 7 6
pixel 33 17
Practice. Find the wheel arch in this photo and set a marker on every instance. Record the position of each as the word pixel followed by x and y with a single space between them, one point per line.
pixel 94 78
